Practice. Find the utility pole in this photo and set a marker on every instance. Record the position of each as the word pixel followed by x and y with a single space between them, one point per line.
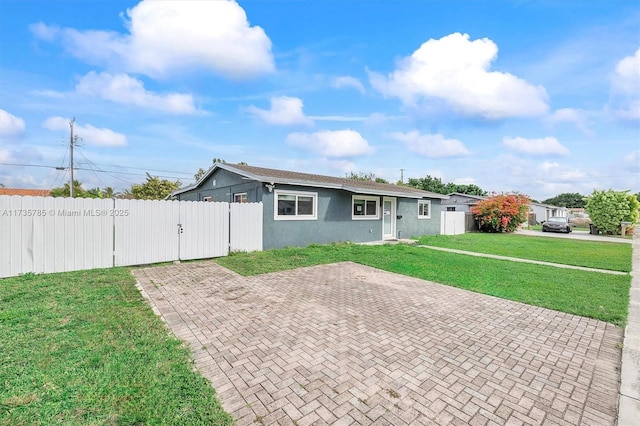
pixel 402 175
pixel 71 141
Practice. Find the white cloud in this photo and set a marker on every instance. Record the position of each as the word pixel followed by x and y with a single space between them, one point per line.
pixel 168 37
pixel 89 134
pixel 464 181
pixel 284 111
pixel 374 118
pixel 542 146
pixel 626 88
pixel 348 82
pixel 577 117
pixel 431 145
pixel 457 72
pixel 126 90
pixel 10 125
pixel 626 77
pixel 556 173
pixel 328 143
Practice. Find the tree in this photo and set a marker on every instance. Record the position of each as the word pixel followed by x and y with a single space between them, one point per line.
pixel 153 189
pixel 435 184
pixel 96 192
pixel 567 199
pixel 365 176
pixel 429 183
pixel 608 209
pixel 199 174
pixel 470 189
pixel 64 191
pixel 501 213
pixel 80 192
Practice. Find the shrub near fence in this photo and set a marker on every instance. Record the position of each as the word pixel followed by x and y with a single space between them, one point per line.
pixel 46 234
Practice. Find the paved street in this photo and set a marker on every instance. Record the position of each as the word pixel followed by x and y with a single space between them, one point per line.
pixel 347 344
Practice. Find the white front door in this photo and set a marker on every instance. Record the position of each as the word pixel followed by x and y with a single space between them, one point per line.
pixel 388 218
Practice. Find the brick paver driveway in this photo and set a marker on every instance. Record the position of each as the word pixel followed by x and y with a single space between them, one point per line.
pixel 348 344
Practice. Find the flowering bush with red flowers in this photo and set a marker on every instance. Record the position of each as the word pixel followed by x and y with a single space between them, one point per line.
pixel 501 213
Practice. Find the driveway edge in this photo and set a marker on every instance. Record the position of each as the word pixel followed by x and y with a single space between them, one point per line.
pixel 629 405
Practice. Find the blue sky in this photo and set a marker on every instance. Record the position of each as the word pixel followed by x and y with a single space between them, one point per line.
pixel 540 97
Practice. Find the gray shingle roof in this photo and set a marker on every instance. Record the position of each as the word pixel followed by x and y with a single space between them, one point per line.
pixel 275 176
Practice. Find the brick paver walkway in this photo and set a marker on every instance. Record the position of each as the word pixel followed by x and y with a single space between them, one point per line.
pixel 346 344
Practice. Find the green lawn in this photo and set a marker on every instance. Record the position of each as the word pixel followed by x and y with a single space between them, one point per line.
pixel 592 254
pixel 83 348
pixel 589 294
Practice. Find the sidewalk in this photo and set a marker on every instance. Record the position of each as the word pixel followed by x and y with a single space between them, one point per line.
pixel 517 259
pixel 629 405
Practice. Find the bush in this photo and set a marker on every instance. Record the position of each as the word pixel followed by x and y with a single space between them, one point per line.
pixel 501 213
pixel 608 209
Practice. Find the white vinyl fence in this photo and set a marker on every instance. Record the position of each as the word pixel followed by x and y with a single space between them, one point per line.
pixel 452 223
pixel 46 234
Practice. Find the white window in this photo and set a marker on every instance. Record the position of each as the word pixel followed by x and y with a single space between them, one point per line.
pixel 294 205
pixel 364 207
pixel 424 209
pixel 240 197
pixel 206 199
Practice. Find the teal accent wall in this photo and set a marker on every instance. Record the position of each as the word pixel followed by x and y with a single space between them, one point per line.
pixel 410 226
pixel 333 224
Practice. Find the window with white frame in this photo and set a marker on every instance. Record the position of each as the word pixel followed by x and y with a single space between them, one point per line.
pixel 364 207
pixel 424 209
pixel 295 205
pixel 240 197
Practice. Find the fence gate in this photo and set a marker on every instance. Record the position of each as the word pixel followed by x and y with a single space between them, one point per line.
pixel 46 234
pixel 452 223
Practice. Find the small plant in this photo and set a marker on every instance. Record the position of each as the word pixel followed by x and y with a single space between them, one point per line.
pixel 501 213
pixel 28 275
pixel 393 393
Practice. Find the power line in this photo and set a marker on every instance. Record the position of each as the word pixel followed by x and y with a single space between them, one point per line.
pixel 84 168
pixel 139 168
pixel 32 165
pixel 109 174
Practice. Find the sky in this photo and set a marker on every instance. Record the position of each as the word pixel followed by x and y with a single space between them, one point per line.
pixel 539 97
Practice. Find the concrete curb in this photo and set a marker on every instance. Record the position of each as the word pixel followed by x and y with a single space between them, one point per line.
pixel 629 405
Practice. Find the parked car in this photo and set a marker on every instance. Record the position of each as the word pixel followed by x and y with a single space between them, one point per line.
pixel 557 224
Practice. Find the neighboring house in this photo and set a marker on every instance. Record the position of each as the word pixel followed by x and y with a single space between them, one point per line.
pixel 464 202
pixel 25 192
pixel 461 202
pixel 300 208
pixel 543 212
pixel 578 212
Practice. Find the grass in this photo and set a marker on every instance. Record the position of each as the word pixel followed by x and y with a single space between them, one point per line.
pixel 83 348
pixel 590 294
pixel 591 254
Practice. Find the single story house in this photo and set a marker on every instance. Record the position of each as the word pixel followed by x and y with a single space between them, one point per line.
pixel 461 202
pixel 301 208
pixel 543 212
